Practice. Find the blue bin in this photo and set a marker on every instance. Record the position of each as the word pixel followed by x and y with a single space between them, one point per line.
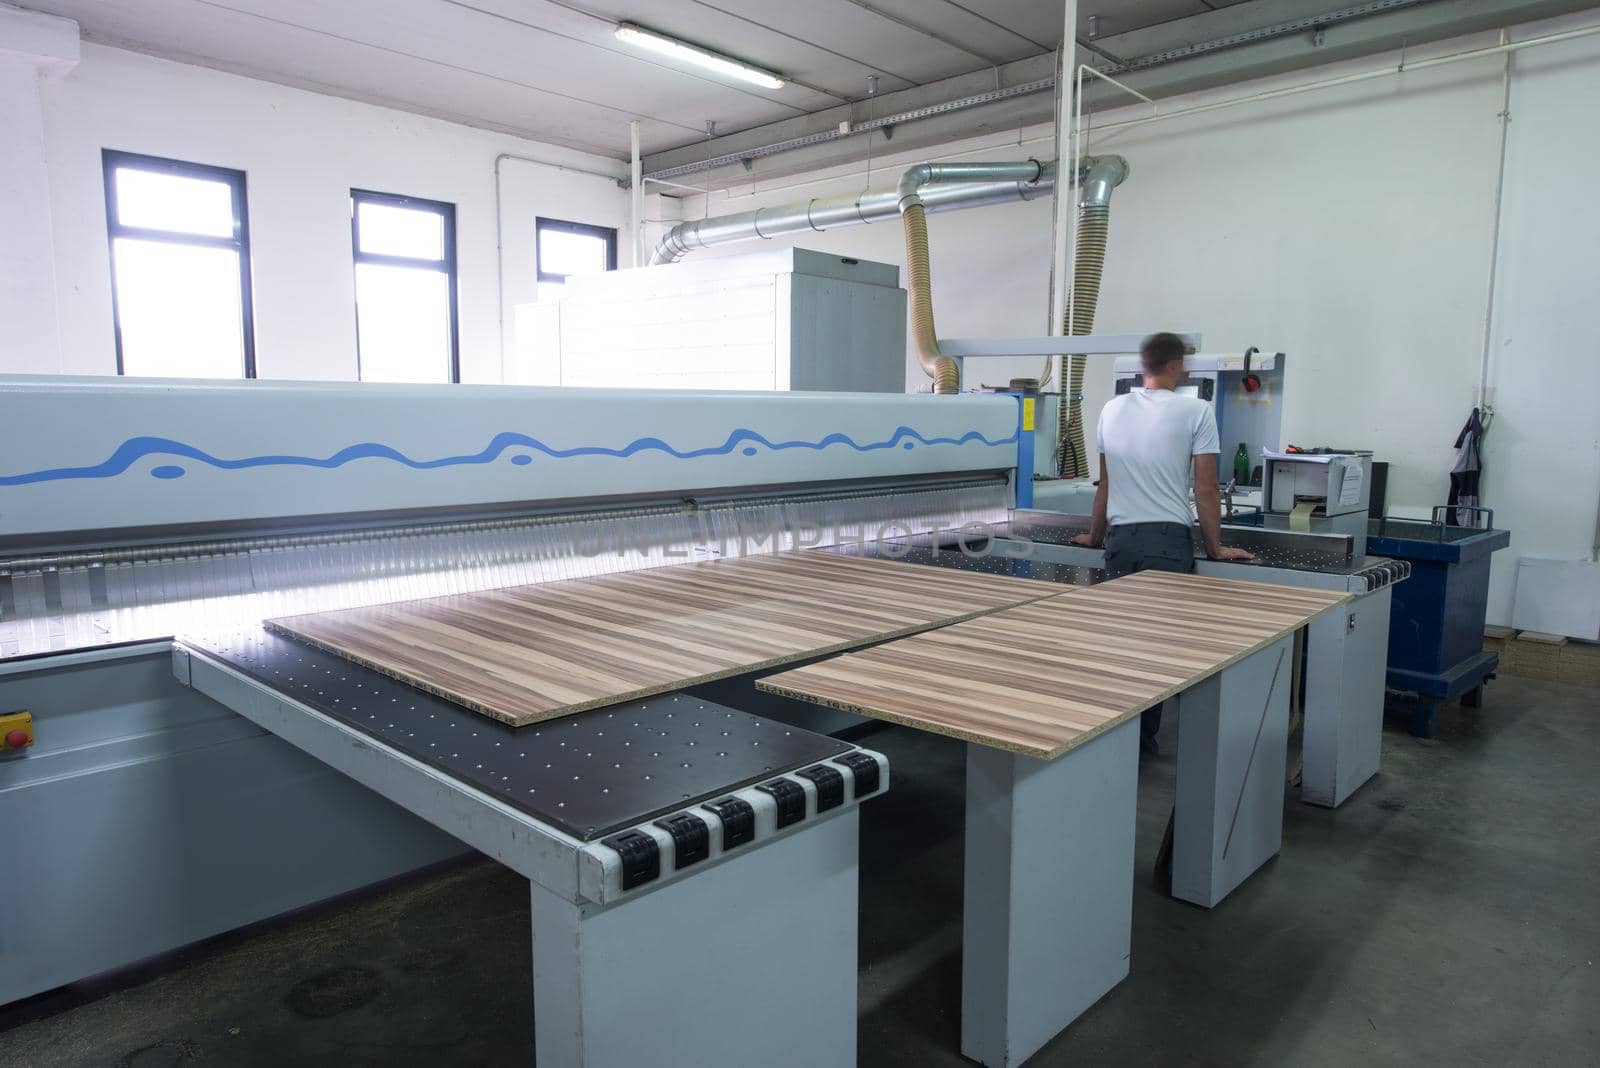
pixel 1436 618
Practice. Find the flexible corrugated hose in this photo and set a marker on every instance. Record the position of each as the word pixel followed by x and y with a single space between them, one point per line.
pixel 1094 226
pixel 944 371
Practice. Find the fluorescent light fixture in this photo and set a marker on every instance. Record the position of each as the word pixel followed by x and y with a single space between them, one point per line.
pixel 687 53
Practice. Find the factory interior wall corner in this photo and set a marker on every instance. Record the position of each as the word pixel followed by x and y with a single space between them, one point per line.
pixel 302 152
pixel 1351 228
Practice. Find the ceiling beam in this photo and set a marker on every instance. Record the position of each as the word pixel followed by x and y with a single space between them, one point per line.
pixel 1420 24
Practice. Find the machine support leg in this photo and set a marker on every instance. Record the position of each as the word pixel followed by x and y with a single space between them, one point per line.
pixel 750 962
pixel 1233 733
pixel 1422 717
pixel 1346 655
pixel 1047 918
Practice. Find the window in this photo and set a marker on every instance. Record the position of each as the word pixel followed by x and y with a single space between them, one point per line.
pixel 567 249
pixel 180 268
pixel 405 258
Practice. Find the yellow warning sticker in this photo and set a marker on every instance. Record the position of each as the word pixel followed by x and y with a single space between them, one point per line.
pixel 1027 413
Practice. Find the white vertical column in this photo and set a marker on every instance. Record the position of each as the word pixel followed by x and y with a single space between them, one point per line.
pixel 636 195
pixel 31 45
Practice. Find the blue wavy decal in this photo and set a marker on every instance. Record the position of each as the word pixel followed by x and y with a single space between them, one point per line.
pixel 747 442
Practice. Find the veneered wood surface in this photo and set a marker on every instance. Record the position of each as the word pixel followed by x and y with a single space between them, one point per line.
pixel 1044 677
pixel 531 653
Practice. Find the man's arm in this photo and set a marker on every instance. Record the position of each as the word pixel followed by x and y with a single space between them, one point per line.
pixel 1208 507
pixel 1097 519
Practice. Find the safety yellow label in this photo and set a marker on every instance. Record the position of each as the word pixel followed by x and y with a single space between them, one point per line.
pixel 1027 413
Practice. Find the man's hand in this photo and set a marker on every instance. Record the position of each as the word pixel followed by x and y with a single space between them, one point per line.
pixel 1086 540
pixel 1238 556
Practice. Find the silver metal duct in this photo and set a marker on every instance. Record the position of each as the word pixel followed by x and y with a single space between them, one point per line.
pixel 1103 174
pixel 829 213
pixel 935 173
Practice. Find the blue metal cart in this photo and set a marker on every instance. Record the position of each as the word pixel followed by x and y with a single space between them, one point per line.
pixel 1436 651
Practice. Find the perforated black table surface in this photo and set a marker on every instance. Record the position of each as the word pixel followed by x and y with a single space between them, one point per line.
pixel 980 555
pixel 588 774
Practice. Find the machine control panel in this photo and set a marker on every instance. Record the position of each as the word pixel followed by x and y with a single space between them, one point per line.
pixel 16 731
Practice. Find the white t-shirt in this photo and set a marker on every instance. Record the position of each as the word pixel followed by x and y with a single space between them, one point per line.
pixel 1149 438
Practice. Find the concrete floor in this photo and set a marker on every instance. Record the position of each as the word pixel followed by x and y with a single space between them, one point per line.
pixel 1447 914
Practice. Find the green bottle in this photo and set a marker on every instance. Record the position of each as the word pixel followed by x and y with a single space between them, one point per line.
pixel 1241 466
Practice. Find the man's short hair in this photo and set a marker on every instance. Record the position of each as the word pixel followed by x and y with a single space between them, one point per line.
pixel 1158 350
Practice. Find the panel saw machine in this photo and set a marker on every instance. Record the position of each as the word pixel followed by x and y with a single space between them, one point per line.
pixel 196 753
pixel 140 552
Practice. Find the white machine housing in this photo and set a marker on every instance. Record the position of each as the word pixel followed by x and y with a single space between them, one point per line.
pixel 780 319
pixel 1337 485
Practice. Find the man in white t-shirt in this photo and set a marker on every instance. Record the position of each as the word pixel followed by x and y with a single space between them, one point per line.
pixel 1155 444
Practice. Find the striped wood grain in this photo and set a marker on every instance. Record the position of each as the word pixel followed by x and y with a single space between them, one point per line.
pixel 1044 677
pixel 531 653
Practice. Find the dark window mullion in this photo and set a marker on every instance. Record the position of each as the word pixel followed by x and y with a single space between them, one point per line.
pixel 404 261
pixel 175 237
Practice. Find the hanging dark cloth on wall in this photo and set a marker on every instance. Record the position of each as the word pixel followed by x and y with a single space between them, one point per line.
pixel 1468 469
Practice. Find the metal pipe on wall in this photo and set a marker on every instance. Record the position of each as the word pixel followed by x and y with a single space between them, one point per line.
pixel 828 213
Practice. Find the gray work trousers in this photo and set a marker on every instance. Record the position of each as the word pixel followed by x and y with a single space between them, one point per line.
pixel 1134 547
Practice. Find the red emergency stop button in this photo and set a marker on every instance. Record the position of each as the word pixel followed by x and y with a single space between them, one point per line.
pixel 16 730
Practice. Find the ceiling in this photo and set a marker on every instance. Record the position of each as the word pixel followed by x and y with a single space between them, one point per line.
pixel 552 70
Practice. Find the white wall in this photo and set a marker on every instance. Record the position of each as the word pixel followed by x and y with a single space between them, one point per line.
pixel 1350 228
pixel 33 47
pixel 302 153
pixel 1542 455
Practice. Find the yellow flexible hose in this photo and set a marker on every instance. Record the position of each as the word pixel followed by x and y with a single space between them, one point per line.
pixel 1094 225
pixel 944 371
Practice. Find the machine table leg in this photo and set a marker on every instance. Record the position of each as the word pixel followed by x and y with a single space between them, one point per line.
pixel 751 962
pixel 1047 917
pixel 1346 657
pixel 1233 732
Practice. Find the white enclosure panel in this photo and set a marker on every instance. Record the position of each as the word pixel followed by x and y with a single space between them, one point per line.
pixel 786 320
pixel 101 453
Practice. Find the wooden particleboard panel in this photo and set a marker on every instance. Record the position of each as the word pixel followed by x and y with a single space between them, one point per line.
pixel 531 653
pixel 1047 676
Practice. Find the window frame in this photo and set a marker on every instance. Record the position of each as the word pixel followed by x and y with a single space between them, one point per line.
pixel 563 226
pixel 111 160
pixel 447 263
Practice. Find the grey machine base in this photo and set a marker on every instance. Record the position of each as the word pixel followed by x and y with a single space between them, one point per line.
pixel 1233 732
pixel 1048 909
pixel 1047 913
pixel 740 952
pixel 152 817
pixel 1347 651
